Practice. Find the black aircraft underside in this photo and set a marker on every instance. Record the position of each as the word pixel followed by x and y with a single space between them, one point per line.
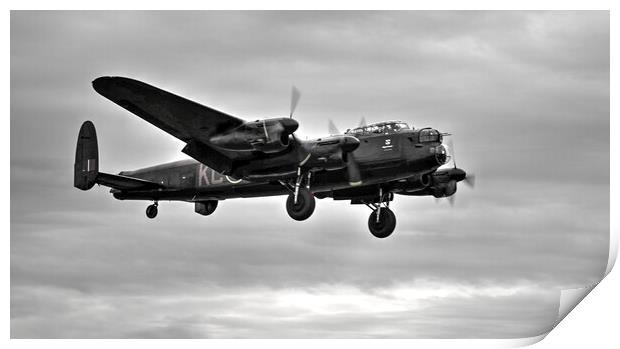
pixel 234 158
pixel 331 185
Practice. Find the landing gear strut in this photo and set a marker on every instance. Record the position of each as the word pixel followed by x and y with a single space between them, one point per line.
pixel 300 203
pixel 382 220
pixel 151 210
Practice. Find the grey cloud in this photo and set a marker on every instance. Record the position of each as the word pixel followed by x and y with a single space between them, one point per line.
pixel 528 312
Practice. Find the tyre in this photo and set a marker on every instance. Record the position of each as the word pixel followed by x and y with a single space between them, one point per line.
pixel 304 207
pixel 386 224
pixel 151 211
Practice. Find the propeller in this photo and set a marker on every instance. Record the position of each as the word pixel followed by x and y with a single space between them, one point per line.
pixel 451 199
pixel 456 174
pixel 351 143
pixel 353 170
pixel 362 122
pixel 451 149
pixel 295 96
pixel 333 130
pixel 331 127
pixel 469 179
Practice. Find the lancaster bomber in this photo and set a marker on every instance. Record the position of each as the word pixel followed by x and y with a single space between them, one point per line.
pixel 234 158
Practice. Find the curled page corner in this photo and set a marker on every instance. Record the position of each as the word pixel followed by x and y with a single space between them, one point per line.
pixel 569 298
pixel 613 251
pixel 519 342
pixel 524 342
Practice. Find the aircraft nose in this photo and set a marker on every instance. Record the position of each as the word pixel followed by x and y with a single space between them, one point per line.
pixel 441 154
pixel 457 174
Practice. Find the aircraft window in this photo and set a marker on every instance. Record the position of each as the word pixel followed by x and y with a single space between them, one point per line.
pixel 381 128
pixel 401 126
pixel 429 135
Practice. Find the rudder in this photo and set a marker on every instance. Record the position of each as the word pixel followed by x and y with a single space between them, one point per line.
pixel 86 167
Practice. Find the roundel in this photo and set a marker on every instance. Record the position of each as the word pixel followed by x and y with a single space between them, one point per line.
pixel 233 181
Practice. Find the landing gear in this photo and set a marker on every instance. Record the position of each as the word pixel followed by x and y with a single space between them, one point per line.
pixel 303 208
pixel 382 220
pixel 382 223
pixel 151 210
pixel 300 203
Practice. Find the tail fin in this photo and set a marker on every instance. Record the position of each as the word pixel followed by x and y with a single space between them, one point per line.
pixel 86 166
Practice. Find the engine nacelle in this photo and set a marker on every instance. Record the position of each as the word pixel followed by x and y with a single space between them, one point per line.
pixel 444 182
pixel 330 153
pixel 267 136
pixel 418 182
pixel 444 189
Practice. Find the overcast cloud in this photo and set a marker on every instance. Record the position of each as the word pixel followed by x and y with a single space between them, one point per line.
pixel 525 93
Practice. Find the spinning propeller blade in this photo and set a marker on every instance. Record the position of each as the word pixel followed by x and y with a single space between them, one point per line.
pixel 295 96
pixel 470 180
pixel 353 170
pixel 331 127
pixel 451 148
pixel 362 122
pixel 455 173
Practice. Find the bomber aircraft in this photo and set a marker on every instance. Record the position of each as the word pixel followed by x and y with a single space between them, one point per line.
pixel 234 158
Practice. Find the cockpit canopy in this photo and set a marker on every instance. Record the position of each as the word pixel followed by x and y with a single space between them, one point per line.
pixel 385 127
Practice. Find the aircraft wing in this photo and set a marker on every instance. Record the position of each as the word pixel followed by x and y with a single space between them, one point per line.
pixel 182 118
pixel 188 121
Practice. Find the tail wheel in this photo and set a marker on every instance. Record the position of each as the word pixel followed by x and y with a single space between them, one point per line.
pixel 386 224
pixel 303 208
pixel 151 211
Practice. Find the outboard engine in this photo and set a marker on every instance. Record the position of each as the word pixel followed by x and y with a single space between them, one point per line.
pixel 267 136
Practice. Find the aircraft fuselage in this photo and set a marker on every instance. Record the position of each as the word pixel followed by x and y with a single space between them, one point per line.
pixel 383 158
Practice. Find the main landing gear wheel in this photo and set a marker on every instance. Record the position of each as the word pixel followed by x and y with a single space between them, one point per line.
pixel 303 208
pixel 151 211
pixel 384 226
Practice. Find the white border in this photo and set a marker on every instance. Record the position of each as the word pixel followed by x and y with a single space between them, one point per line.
pixel 599 312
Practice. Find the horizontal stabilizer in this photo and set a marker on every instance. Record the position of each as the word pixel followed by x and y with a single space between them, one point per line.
pixel 126 183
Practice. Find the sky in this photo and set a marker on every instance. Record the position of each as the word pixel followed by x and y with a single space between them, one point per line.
pixel 526 95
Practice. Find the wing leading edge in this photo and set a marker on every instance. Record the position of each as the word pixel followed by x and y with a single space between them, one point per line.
pixel 186 120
